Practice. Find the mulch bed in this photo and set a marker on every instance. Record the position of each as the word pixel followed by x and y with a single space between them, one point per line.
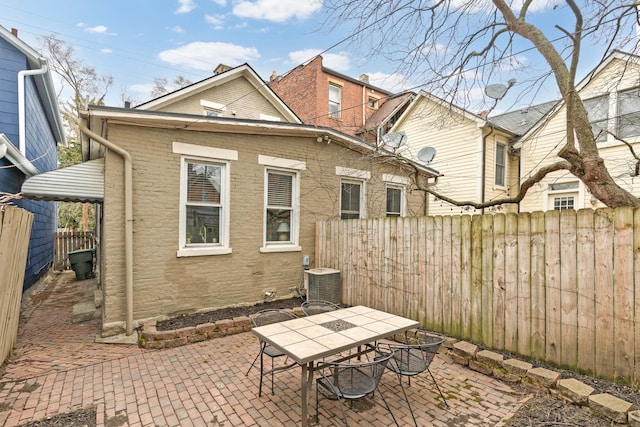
pixel 213 316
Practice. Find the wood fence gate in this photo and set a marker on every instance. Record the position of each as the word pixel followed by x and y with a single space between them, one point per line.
pixel 69 241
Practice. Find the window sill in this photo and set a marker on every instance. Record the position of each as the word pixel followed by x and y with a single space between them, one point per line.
pixel 187 252
pixel 283 248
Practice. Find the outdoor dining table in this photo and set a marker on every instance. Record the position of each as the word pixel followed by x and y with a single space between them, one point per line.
pixel 312 338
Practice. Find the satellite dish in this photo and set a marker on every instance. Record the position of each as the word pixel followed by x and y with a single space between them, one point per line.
pixel 394 139
pixel 426 154
pixel 496 91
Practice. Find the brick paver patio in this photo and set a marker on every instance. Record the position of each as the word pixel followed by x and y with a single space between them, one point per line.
pixel 57 368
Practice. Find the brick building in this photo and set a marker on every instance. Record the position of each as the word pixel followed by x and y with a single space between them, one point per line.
pixel 323 97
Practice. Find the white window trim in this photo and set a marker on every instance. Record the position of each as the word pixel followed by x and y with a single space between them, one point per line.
pixel 363 186
pixel 396 179
pixel 354 176
pixel 289 166
pixel 548 194
pixel 269 118
pixel 403 198
pixel 212 106
pixel 506 165
pixel 188 152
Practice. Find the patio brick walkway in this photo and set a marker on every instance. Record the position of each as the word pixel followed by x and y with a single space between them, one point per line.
pixel 56 368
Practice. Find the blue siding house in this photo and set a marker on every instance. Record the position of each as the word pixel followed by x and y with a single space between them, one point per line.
pixel 30 131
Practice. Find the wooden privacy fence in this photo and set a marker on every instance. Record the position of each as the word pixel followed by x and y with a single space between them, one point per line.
pixel 15 230
pixel 69 241
pixel 563 287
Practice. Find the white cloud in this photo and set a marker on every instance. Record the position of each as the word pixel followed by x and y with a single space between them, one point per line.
pixel 98 29
pixel 276 10
pixel 220 2
pixel 186 6
pixel 207 55
pixel 393 82
pixel 216 20
pixel 142 89
pixel 178 29
pixel 335 61
pixel 105 50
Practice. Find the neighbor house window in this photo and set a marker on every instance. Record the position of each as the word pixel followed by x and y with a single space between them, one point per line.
pixel 501 164
pixel 563 195
pixel 629 113
pixel 351 196
pixel 372 103
pixel 395 201
pixel 335 100
pixel 203 203
pixel 563 203
pixel 598 112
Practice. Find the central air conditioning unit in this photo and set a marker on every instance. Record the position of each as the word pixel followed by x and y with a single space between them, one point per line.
pixel 323 284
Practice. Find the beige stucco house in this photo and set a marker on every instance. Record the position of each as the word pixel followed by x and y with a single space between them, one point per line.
pixel 612 98
pixel 472 154
pixel 201 210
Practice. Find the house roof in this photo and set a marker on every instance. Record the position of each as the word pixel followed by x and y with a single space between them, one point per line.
pixel 44 82
pixel 83 182
pixel 616 54
pixel 243 70
pixel 388 109
pixel 520 121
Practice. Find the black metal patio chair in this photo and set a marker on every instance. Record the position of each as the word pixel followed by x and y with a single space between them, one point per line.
pixel 413 357
pixel 311 307
pixel 267 317
pixel 350 381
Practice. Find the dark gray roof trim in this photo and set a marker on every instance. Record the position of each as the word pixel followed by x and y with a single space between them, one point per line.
pixel 83 182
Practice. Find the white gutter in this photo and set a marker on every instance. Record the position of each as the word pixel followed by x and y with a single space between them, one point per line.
pixel 128 218
pixel 22 75
pixel 16 157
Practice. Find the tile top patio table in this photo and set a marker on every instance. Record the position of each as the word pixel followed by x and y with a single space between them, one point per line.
pixel 311 338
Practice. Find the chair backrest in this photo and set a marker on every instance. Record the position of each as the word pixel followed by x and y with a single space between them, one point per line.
pixel 311 307
pixel 415 356
pixel 355 380
pixel 269 316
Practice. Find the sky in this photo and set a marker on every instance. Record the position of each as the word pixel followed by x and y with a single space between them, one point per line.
pixel 136 41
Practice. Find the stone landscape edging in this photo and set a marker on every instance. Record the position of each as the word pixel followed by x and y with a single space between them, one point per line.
pixel 512 371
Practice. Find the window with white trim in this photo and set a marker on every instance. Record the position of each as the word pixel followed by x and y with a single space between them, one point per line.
pixel 212 109
pixel 501 165
pixel 280 214
pixel 203 203
pixel 351 199
pixel 335 100
pixel 563 195
pixel 395 200
pixel 629 113
pixel 598 112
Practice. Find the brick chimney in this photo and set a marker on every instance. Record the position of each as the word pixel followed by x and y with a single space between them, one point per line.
pixel 14 31
pixel 364 78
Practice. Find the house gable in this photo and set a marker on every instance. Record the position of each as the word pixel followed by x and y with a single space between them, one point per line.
pixel 465 146
pixel 618 73
pixel 236 92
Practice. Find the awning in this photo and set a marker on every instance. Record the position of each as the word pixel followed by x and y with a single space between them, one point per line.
pixel 83 182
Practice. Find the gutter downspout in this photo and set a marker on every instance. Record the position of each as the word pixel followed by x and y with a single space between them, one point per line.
pixel 484 165
pixel 128 220
pixel 22 75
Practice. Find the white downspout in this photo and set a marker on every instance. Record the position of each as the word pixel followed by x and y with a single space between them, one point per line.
pixel 22 75
pixel 128 218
